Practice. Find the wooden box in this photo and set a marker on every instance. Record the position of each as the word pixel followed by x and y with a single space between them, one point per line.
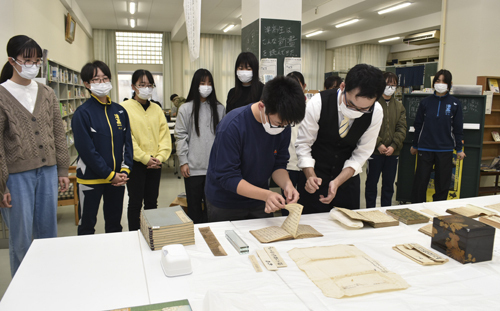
pixel 463 239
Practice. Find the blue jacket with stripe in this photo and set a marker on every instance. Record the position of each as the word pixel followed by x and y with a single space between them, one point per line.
pixel 439 124
pixel 103 141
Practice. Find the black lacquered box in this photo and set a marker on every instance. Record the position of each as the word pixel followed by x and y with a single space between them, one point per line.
pixel 462 238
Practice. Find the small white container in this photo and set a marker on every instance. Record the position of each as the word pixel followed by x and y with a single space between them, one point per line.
pixel 175 260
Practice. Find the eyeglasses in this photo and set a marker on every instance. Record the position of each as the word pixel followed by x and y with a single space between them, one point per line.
pixel 278 126
pixel 140 86
pixel 29 63
pixel 100 80
pixel 350 105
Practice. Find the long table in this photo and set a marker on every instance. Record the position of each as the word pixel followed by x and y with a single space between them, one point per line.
pixel 107 271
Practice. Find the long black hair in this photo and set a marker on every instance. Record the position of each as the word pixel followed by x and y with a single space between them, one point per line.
pixel 246 59
pixel 19 45
pixel 194 95
pixel 138 74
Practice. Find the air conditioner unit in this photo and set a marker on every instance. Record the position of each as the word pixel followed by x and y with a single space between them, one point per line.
pixel 422 38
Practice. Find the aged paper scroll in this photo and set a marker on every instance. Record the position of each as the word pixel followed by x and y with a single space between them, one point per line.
pixel 345 271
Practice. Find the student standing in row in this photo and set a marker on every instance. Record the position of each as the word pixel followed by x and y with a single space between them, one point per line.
pixel 438 130
pixel 105 153
pixel 332 82
pixel 335 139
pixel 251 146
pixel 152 146
pixel 33 150
pixel 195 127
pixel 248 88
pixel 384 159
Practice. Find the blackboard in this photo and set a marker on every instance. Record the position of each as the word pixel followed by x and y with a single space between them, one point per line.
pixel 250 38
pixel 280 39
pixel 473 107
pixel 430 70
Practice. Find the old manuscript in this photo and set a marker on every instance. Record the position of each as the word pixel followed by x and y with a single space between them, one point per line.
pixel 345 271
pixel 289 230
pixel 373 217
pixel 470 211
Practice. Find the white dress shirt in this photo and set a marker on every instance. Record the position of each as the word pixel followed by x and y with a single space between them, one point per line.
pixel 26 95
pixel 308 132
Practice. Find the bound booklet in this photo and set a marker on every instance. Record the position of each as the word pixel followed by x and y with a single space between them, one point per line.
pixel 289 230
pixel 407 216
pixel 493 220
pixel 470 211
pixel 373 217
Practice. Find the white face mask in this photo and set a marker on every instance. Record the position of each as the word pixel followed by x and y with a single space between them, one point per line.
pixel 389 90
pixel 100 89
pixel 205 90
pixel 244 76
pixel 267 126
pixel 350 113
pixel 145 92
pixel 441 87
pixel 27 73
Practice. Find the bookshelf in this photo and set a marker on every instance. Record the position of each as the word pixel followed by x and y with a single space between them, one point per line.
pixel 70 92
pixel 491 148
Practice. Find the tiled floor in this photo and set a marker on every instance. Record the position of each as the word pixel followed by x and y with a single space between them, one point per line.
pixel 170 187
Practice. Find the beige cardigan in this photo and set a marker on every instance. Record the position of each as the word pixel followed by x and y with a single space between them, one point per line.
pixel 31 140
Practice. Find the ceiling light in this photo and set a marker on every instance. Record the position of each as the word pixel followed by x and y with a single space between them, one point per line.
pixel 132 7
pixel 314 33
pixel 394 8
pixel 132 23
pixel 228 27
pixel 389 39
pixel 352 21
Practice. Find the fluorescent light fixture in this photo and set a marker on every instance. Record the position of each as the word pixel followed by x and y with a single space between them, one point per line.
pixel 132 7
pixel 394 8
pixel 352 21
pixel 228 27
pixel 389 39
pixel 132 23
pixel 314 33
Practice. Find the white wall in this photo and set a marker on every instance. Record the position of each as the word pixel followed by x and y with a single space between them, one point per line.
pixel 44 22
pixel 471 46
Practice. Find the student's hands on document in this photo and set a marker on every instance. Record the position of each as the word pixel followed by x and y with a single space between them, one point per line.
pixel 274 202
pixel 291 194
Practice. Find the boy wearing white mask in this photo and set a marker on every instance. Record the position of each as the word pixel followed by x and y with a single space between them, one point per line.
pixel 105 153
pixel 195 127
pixel 337 136
pixel 384 159
pixel 152 146
pixel 438 131
pixel 251 146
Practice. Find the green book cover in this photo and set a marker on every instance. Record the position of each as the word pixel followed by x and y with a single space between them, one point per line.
pixel 179 305
pixel 165 216
pixel 407 216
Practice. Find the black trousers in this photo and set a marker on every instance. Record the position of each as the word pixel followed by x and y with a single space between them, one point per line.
pixel 443 162
pixel 89 197
pixel 347 195
pixel 387 166
pixel 143 185
pixel 195 195
pixel 224 214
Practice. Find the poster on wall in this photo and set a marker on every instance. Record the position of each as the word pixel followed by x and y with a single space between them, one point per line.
pixel 455 184
pixel 292 64
pixel 268 69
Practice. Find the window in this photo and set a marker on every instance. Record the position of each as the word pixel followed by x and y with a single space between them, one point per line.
pixel 125 89
pixel 139 48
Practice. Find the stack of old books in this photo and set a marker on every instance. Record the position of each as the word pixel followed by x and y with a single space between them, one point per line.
pixel 166 225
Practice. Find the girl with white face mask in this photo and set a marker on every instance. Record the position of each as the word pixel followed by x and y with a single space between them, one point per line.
pixel 152 146
pixel 195 127
pixel 248 88
pixel 35 150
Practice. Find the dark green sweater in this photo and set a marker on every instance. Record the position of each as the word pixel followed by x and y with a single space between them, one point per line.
pixel 393 130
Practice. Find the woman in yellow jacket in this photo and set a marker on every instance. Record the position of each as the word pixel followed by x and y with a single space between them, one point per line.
pixel 152 146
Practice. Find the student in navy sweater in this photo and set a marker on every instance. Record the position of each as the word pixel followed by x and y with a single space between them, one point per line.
pixel 105 152
pixel 251 145
pixel 438 130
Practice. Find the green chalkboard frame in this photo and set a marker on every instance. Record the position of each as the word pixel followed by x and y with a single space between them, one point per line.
pixel 250 38
pixel 473 107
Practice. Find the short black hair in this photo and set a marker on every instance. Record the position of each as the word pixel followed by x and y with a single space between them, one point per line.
pixel 89 70
pixel 367 78
pixel 390 77
pixel 332 81
pixel 285 97
pixel 298 76
pixel 447 77
pixel 173 96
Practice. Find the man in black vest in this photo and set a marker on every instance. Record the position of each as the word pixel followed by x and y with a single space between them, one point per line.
pixel 335 139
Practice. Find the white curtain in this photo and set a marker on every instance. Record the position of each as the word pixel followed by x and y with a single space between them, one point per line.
pixel 346 57
pixel 374 54
pixel 105 50
pixel 167 69
pixel 218 54
pixel 313 63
